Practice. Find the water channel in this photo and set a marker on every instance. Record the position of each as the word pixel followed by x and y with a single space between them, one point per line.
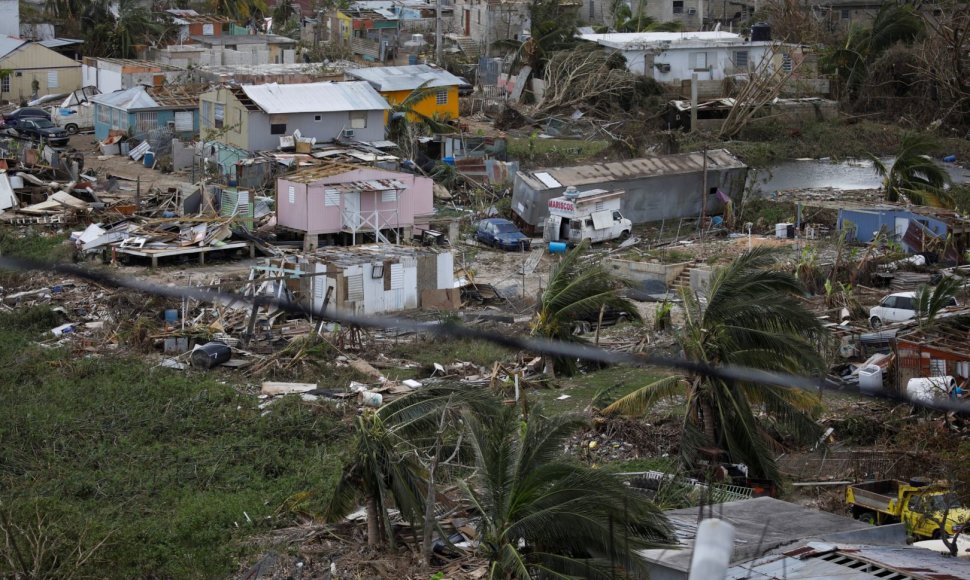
pixel 819 173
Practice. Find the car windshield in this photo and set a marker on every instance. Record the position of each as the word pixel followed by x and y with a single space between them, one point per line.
pixel 506 228
pixel 940 502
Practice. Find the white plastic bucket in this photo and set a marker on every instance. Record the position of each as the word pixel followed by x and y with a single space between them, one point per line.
pixel 370 399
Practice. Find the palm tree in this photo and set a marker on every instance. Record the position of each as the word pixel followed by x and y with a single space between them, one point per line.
pixel 914 174
pixel 541 516
pixel 930 301
pixel 384 468
pixel 578 290
pixel 751 317
pixel 133 26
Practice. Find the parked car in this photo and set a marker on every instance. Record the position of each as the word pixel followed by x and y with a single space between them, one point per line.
pixel 898 307
pixel 501 233
pixel 465 88
pixel 42 129
pixel 13 117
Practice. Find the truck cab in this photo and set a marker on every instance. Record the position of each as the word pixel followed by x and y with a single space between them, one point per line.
pixel 920 505
pixel 76 112
pixel 590 215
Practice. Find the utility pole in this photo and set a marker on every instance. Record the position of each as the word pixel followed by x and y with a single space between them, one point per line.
pixel 438 48
pixel 704 194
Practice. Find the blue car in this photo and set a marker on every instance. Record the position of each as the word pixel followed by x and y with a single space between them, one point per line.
pixel 501 233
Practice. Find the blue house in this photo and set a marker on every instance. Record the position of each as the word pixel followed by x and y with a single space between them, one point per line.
pixel 917 229
pixel 140 110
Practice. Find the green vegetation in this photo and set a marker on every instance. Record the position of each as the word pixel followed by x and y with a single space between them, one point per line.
pixel 598 387
pixel 753 317
pixel 34 246
pixel 537 151
pixel 427 351
pixel 129 471
pixel 915 174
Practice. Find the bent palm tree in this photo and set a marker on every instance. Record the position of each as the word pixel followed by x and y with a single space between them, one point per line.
pixel 914 173
pixel 384 469
pixel 930 301
pixel 544 517
pixel 752 318
pixel 578 290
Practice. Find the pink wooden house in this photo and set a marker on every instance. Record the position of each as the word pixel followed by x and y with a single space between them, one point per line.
pixel 361 203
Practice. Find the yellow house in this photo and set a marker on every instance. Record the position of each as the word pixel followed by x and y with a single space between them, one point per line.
pixel 35 71
pixel 396 83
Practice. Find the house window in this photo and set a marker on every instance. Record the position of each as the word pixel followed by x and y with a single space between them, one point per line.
pixel 678 6
pixel 220 116
pixel 317 118
pixel 331 198
pixel 845 14
pixel 592 9
pixel 358 119
pixel 441 97
pixel 277 124
pixel 698 60
pixel 145 122
pixel 104 115
pixel 291 192
pixel 741 58
pixel 52 79
pixel 389 196
pixel 5 84
pixel 786 63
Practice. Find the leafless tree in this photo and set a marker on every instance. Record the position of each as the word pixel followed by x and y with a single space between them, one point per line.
pixel 760 87
pixel 580 76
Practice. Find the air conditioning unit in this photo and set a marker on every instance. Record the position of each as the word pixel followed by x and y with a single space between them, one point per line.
pixel 663 67
pixel 691 11
pixel 347 133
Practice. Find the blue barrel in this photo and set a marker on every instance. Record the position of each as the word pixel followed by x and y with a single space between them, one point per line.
pixel 171 315
pixel 149 159
pixel 412 59
pixel 449 160
pixel 950 159
pixel 557 247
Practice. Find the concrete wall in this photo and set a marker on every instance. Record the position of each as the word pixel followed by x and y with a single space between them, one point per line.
pixel 647 199
pixel 641 271
pixel 328 128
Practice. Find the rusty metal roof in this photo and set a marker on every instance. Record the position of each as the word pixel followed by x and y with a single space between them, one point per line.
pixel 632 169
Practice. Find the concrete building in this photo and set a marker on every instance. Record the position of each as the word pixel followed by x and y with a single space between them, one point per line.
pixel 673 57
pixel 35 70
pixel 254 117
pixel 396 83
pixel 371 279
pixel 361 202
pixel 484 23
pixel 117 74
pixel 259 48
pixel 657 188
pixel 141 110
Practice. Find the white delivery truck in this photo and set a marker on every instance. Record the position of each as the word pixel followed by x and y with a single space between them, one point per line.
pixel 592 215
pixel 76 112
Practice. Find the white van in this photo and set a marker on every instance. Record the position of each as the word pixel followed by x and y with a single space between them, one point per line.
pixel 898 307
pixel 590 215
pixel 76 113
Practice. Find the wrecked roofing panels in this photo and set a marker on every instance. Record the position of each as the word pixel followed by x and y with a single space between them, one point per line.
pixel 557 177
pixel 140 97
pixel 365 254
pixel 404 78
pixel 325 97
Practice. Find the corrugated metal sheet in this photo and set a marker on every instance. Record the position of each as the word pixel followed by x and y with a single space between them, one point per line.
pixel 404 78
pixel 128 99
pixel 632 169
pixel 9 44
pixel 315 97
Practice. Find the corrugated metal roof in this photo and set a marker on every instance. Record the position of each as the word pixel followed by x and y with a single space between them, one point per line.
pixel 128 99
pixel 628 40
pixel 59 42
pixel 631 169
pixel 404 78
pixel 326 97
pixel 9 44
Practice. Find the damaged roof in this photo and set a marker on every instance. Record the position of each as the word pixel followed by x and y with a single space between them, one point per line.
pixel 557 177
pixel 345 256
pixel 404 78
pixel 323 97
pixel 634 40
pixel 141 97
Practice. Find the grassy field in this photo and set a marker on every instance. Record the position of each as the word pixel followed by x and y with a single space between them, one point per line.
pixel 120 470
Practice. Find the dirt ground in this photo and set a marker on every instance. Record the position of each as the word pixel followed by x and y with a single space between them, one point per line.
pixel 124 166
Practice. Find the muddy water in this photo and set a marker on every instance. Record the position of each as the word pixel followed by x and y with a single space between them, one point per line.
pixel 817 173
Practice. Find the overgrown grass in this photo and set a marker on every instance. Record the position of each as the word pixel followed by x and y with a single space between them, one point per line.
pixel 168 470
pixel 533 151
pixel 427 351
pixel 34 246
pixel 607 384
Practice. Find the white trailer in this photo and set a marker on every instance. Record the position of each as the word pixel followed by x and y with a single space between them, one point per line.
pixel 592 215
pixel 76 112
